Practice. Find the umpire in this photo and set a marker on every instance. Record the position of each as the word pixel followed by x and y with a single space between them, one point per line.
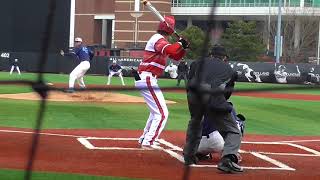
pixel 215 75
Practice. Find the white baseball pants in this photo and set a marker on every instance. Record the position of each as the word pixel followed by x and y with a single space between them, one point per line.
pixel 111 73
pixel 211 144
pixel 78 73
pixel 158 109
pixel 15 67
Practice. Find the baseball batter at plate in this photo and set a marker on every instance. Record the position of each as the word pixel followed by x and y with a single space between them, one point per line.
pixel 152 66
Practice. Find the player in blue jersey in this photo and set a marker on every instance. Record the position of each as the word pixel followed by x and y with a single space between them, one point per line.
pixel 212 141
pixel 83 55
pixel 115 69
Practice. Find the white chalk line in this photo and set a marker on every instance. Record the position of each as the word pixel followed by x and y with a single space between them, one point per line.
pixel 280 166
pixel 92 137
pixel 273 161
pixel 83 140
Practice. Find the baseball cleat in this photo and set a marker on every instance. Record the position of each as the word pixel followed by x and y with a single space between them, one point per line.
pixel 69 91
pixel 239 158
pixel 146 147
pixel 190 160
pixel 203 157
pixel 140 140
pixel 227 166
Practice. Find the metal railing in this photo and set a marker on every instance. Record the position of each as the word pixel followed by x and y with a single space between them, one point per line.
pixel 201 3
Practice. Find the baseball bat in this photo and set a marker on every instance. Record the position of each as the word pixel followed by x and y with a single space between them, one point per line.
pixel 158 15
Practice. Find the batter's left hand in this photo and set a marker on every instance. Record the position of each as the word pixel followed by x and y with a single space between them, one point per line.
pixel 185 44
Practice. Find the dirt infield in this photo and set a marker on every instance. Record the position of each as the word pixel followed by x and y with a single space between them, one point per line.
pixel 116 153
pixel 86 96
pixel 113 97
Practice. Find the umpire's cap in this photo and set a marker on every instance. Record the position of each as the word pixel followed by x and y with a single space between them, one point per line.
pixel 218 51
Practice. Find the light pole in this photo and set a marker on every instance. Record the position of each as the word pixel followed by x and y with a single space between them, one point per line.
pixel 278 45
pixel 268 40
pixel 136 14
pixel 318 53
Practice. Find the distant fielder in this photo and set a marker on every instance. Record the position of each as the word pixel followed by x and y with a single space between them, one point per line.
pixel 115 69
pixel 172 70
pixel 15 65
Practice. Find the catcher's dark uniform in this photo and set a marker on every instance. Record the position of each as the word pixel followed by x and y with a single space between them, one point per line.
pixel 216 74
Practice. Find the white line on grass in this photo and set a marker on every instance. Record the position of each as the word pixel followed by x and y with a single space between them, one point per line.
pixel 41 133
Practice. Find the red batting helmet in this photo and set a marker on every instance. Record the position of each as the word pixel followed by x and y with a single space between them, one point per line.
pixel 164 27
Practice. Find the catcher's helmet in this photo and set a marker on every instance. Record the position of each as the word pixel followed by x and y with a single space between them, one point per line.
pixel 164 27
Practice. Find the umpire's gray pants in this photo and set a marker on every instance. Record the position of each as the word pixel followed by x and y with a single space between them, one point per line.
pixel 226 126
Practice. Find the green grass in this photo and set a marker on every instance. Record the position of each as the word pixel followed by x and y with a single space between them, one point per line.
pixel 264 116
pixel 6 174
pixel 279 117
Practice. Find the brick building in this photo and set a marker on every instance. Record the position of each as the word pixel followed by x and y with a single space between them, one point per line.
pixel 111 22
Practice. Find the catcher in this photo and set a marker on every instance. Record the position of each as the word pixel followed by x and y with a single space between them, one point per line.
pixel 212 141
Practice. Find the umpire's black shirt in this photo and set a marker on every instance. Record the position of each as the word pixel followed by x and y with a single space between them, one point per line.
pixel 214 72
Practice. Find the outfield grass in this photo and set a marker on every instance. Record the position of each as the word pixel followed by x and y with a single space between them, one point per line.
pixel 6 174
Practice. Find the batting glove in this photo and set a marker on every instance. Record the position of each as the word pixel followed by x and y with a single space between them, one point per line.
pixel 184 43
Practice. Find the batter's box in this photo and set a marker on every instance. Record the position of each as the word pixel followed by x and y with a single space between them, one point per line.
pixel 269 163
pixel 96 143
pixel 279 148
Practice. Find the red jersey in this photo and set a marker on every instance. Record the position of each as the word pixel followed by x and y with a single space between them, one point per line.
pixel 156 52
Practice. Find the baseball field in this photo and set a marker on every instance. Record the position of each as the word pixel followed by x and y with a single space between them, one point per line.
pixel 93 135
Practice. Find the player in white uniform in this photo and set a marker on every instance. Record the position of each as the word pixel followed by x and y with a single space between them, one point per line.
pixel 157 50
pixel 249 73
pixel 172 70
